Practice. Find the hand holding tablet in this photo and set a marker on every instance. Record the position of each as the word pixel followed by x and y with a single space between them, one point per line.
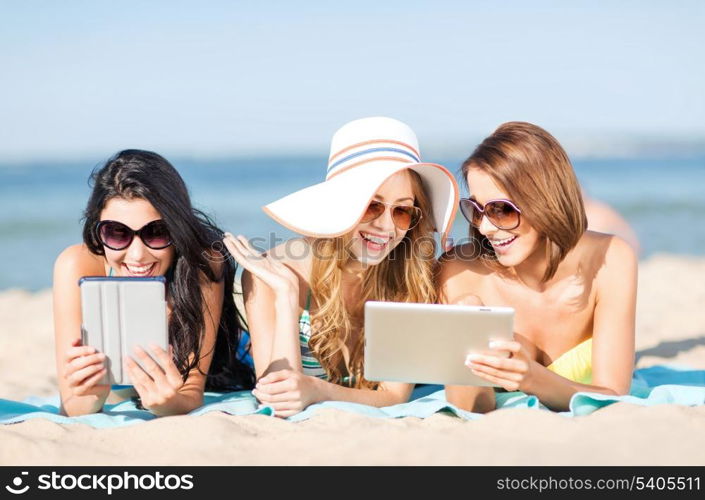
pixel 121 318
pixel 429 343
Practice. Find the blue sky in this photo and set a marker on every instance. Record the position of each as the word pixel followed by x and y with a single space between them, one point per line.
pixel 216 78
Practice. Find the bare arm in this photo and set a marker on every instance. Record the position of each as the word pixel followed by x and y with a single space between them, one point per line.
pixel 615 318
pixel 163 391
pixel 386 394
pixel 273 326
pixel 271 294
pixel 454 284
pixel 79 368
pixel 613 333
pixel 271 291
pixel 289 392
pixel 613 341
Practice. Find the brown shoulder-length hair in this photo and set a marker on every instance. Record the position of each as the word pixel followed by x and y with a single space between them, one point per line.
pixel 532 167
pixel 405 275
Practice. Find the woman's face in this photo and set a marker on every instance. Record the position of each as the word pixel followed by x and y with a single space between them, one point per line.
pixel 372 241
pixel 137 259
pixel 512 246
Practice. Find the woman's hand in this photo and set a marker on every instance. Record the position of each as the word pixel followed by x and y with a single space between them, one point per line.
pixel 280 278
pixel 288 392
pixel 85 367
pixel 513 373
pixel 157 386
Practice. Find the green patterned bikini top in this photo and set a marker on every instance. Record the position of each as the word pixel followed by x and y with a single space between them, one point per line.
pixel 309 362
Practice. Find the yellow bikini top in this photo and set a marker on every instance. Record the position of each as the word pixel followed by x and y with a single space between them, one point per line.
pixel 575 364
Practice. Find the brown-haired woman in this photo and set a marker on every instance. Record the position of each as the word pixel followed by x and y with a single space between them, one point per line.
pixel 368 235
pixel 574 291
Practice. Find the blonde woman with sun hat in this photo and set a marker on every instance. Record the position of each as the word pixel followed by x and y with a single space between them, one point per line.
pixel 367 234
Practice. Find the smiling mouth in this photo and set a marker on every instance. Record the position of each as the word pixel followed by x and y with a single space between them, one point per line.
pixel 140 271
pixel 374 242
pixel 503 243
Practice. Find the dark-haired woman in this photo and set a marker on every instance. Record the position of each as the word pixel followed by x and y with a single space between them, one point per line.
pixel 139 221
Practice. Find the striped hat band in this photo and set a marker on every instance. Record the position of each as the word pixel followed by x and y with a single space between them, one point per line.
pixel 369 151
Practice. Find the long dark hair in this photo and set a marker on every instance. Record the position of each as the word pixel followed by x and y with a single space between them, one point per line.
pixel 133 173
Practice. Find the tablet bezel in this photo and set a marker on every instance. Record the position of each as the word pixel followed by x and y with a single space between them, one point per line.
pixel 403 345
pixel 127 316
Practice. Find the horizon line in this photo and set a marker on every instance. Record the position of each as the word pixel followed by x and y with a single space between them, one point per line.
pixel 577 147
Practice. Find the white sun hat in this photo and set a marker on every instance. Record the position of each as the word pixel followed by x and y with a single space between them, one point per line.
pixel 364 153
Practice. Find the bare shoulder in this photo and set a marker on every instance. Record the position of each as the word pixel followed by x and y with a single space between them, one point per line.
pixel 610 255
pixel 216 261
pixel 607 245
pixel 619 254
pixel 462 259
pixel 461 273
pixel 77 260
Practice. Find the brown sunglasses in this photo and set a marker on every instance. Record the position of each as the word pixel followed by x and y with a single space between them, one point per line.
pixel 502 214
pixel 404 217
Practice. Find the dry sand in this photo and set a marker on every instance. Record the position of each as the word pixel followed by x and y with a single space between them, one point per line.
pixel 670 329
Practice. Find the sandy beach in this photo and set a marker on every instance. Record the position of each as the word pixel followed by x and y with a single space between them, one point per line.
pixel 670 330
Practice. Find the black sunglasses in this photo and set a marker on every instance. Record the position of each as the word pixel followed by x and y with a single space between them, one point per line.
pixel 117 236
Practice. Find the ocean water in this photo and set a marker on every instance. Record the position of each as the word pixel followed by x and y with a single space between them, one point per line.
pixel 41 204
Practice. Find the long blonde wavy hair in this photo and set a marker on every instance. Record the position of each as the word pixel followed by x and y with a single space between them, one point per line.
pixel 405 275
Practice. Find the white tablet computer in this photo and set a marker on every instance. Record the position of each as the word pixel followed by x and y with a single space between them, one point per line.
pixel 428 343
pixel 119 313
